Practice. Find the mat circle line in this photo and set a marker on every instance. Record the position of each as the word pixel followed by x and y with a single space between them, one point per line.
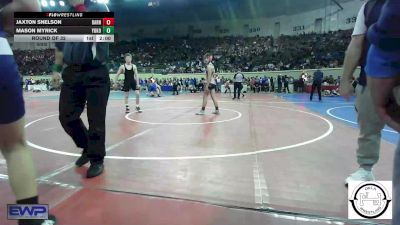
pixel 329 112
pixel 324 135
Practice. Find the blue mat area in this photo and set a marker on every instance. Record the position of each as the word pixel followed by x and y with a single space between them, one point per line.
pixel 120 95
pixel 336 108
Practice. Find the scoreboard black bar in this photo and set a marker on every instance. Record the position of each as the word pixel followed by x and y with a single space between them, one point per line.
pixel 63 38
pixel 59 22
pixel 63 15
pixel 58 30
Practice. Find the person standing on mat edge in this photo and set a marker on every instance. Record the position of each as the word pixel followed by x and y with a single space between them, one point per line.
pixel 271 82
pixel 85 79
pixel 317 82
pixel 209 85
pixel 383 71
pixel 279 80
pixel 286 84
pixel 227 87
pixel 370 124
pixel 238 84
pixel 20 165
pixel 131 81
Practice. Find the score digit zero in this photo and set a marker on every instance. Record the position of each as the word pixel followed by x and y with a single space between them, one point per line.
pixel 108 30
pixel 108 21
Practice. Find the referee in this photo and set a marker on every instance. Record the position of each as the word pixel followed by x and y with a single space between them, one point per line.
pixel 85 79
pixel 317 83
pixel 238 84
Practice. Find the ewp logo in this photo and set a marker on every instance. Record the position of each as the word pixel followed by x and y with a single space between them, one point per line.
pixel 18 212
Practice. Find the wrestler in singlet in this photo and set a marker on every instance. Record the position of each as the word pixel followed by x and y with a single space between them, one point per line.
pixel 213 84
pixel 130 79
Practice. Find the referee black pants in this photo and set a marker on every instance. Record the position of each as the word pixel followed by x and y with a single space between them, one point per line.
pixel 237 88
pixel 318 87
pixel 91 87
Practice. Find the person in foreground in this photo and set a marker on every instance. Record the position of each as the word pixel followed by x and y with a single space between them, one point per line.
pixel 20 166
pixel 86 80
pixel 383 71
pixel 370 124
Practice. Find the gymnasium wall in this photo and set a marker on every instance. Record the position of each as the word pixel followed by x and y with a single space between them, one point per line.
pixel 331 19
pixel 295 73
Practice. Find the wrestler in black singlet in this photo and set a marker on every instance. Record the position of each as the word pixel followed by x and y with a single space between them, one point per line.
pixel 130 80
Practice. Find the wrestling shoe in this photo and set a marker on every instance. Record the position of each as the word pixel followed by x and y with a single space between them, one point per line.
pixel 201 113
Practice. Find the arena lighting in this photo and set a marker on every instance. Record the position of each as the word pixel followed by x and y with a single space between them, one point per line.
pixel 101 1
pixel 62 3
pixel 44 3
pixel 52 3
pixel 153 3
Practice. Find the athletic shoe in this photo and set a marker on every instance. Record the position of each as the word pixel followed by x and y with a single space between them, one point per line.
pixel 360 175
pixel 50 221
pixel 201 113
pixel 216 112
pixel 233 98
pixel 95 170
pixel 138 109
pixel 82 160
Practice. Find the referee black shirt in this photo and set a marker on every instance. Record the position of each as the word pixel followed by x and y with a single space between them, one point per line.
pixel 81 53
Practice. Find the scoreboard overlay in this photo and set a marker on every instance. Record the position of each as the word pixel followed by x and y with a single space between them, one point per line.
pixel 64 26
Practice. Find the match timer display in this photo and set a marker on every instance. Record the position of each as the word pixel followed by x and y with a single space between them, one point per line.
pixel 64 27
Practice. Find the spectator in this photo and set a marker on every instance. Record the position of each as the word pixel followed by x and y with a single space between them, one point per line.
pixel 272 83
pixel 286 84
pixel 279 84
pixel 181 55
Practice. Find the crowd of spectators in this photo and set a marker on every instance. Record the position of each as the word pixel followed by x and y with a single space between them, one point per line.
pixel 35 62
pixel 255 83
pixel 250 54
pixel 184 55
